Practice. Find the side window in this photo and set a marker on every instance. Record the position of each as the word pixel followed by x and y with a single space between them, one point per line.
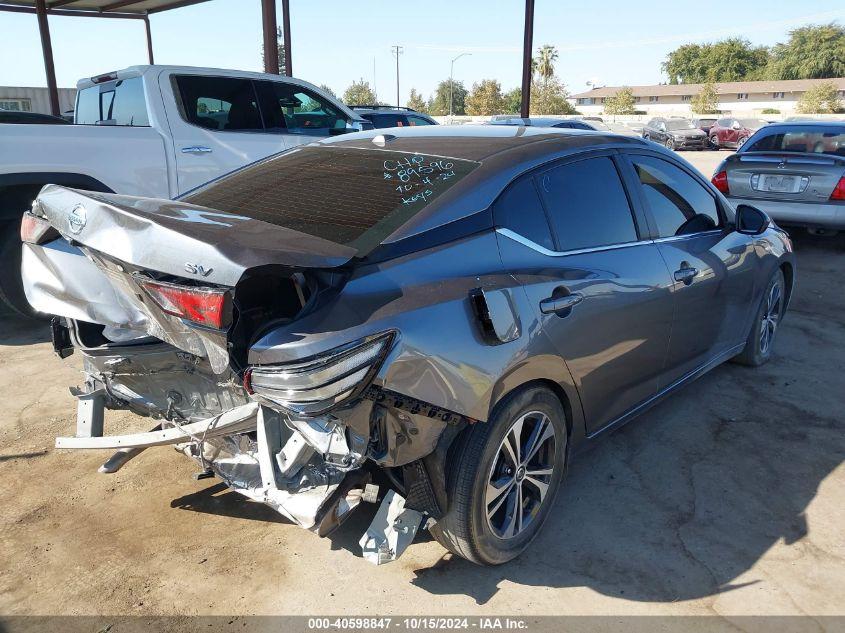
pixel 118 102
pixel 390 120
pixel 418 120
pixel 219 103
pixel 679 204
pixel 295 110
pixel 519 210
pixel 587 204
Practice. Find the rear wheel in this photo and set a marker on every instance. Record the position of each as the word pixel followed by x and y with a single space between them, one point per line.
pixel 504 476
pixel 11 286
pixel 741 142
pixel 761 339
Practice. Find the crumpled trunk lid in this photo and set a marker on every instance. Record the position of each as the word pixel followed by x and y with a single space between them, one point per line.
pixel 111 243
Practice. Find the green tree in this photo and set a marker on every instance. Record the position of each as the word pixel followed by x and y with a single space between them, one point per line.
pixel 439 103
pixel 544 64
pixel 550 97
pixel 512 101
pixel 416 102
pixel 359 93
pixel 812 52
pixel 706 101
pixel 732 59
pixel 821 99
pixel 328 90
pixel 485 99
pixel 622 102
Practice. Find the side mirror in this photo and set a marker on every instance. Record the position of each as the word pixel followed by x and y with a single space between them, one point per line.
pixel 750 220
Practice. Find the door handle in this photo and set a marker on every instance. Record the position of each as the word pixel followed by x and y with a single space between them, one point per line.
pixel 558 304
pixel 196 149
pixel 686 273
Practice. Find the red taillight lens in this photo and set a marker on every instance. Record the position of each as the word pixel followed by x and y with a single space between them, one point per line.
pixel 206 306
pixel 720 181
pixel 34 230
pixel 839 190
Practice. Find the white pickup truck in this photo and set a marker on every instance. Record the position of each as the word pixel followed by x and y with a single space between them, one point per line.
pixel 156 131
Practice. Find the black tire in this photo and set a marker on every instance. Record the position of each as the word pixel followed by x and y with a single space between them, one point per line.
pixel 757 353
pixel 741 142
pixel 669 143
pixel 466 530
pixel 11 286
pixel 714 142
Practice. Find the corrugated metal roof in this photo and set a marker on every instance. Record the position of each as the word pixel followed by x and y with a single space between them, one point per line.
pixel 726 87
pixel 140 7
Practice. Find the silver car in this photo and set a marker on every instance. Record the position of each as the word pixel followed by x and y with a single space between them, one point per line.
pixel 794 171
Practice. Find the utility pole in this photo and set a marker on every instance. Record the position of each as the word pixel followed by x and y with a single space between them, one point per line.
pixel 527 48
pixel 397 51
pixel 452 82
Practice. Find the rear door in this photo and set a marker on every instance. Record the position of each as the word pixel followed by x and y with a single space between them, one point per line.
pixel 712 266
pixel 216 127
pixel 600 291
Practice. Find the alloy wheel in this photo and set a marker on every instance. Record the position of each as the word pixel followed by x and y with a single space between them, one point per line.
pixel 521 475
pixel 670 144
pixel 714 142
pixel 770 318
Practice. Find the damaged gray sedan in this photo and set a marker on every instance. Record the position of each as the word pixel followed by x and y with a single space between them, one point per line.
pixel 431 317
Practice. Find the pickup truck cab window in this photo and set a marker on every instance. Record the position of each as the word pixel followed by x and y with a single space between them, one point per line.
pixel 120 102
pixel 219 103
pixel 296 110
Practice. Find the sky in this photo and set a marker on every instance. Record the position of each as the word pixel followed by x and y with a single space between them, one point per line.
pixel 611 42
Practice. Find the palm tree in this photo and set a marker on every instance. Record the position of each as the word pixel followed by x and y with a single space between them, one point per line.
pixel 545 62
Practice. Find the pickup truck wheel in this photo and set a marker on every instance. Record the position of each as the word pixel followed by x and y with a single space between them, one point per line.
pixel 761 339
pixel 11 287
pixel 503 478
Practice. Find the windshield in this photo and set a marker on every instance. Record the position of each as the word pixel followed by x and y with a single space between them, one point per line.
pixel 679 124
pixel 752 124
pixel 354 197
pixel 807 141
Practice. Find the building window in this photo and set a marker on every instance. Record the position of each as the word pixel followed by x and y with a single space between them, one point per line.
pixel 602 99
pixel 686 97
pixel 742 96
pixel 652 99
pixel 16 105
pixel 777 95
pixel 586 101
pixel 637 99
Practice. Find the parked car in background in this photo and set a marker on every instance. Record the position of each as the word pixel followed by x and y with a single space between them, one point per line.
pixel 556 122
pixel 156 131
pixel 733 132
pixel 16 117
pixel 505 295
pixel 794 171
pixel 675 133
pixel 390 116
pixel 704 124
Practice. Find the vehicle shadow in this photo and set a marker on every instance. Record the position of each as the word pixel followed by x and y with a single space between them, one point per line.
pixel 17 330
pixel 218 499
pixel 680 503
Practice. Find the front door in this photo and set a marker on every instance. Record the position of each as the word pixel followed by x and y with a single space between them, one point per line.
pixel 601 293
pixel 712 266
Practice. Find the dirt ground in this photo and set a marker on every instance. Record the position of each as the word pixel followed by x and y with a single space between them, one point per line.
pixel 728 498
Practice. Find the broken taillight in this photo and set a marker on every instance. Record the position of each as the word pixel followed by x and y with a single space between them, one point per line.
pixel 205 306
pixel 720 181
pixel 35 230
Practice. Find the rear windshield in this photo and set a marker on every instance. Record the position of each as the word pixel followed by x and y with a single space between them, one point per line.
pixel 809 141
pixel 120 102
pixel 354 197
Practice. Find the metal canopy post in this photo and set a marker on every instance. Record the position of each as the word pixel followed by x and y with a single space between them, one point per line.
pixel 149 39
pixel 527 47
pixel 286 27
pixel 271 51
pixel 47 52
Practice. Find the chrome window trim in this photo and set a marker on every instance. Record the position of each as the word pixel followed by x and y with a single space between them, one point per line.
pixel 516 237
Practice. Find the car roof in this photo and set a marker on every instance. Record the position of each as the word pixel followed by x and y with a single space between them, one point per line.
pixel 806 123
pixel 503 151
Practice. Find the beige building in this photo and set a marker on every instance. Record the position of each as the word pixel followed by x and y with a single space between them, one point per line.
pixel 735 97
pixel 23 99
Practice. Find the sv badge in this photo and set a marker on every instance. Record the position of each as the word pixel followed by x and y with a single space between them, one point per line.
pixel 198 269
